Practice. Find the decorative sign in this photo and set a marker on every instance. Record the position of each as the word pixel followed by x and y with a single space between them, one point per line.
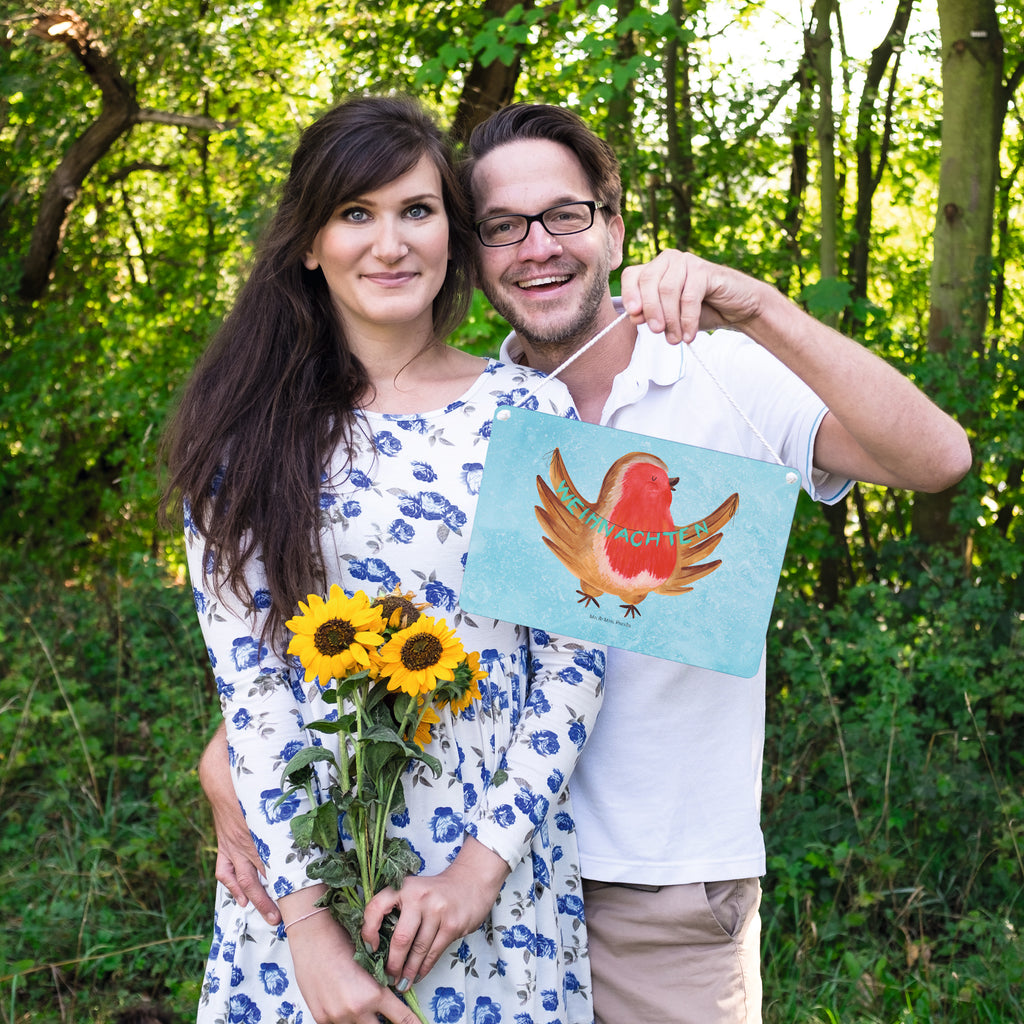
pixel 628 540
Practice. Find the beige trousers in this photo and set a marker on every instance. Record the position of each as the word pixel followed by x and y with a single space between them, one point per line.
pixel 675 954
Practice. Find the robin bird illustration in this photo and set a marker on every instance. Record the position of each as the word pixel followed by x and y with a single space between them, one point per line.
pixel 626 543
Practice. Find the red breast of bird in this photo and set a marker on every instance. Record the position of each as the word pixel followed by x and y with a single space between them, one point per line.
pixel 636 496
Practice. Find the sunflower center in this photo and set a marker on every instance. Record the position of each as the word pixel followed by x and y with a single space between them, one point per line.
pixel 334 636
pixel 391 603
pixel 421 651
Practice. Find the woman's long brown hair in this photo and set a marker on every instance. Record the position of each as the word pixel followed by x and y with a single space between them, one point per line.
pixel 274 395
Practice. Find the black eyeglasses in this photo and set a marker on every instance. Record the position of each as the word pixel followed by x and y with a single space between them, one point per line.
pixel 564 219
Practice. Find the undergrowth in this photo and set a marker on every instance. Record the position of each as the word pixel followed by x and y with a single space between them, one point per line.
pixel 106 878
pixel 893 799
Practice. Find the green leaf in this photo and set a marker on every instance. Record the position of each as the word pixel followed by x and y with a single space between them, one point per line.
pixel 429 760
pixel 398 861
pixel 339 870
pixel 381 732
pixel 381 757
pixel 827 298
pixel 325 828
pixel 303 826
pixel 351 683
pixel 329 727
pixel 377 700
pixel 299 769
pixel 453 55
pixel 372 963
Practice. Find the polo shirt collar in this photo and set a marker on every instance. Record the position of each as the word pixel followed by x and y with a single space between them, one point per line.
pixel 654 361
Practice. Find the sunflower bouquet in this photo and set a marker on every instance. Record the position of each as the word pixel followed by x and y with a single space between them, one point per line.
pixel 390 669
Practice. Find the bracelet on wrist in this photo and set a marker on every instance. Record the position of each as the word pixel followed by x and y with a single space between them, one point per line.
pixel 305 917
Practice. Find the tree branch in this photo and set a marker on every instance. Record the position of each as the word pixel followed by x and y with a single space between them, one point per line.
pixel 206 124
pixel 119 112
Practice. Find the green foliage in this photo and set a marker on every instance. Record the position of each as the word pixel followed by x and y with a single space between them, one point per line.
pixel 893 800
pixel 107 867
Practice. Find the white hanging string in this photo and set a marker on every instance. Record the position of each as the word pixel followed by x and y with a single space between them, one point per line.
pixel 590 344
pixel 692 351
pixel 732 401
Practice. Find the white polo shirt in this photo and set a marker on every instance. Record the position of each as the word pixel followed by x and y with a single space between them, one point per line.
pixel 668 789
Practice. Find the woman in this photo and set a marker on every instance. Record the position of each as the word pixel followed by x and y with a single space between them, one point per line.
pixel 329 435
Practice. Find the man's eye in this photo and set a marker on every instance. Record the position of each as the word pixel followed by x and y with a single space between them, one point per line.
pixel 567 218
pixel 499 229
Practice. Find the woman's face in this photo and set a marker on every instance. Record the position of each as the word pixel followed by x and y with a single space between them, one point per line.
pixel 385 254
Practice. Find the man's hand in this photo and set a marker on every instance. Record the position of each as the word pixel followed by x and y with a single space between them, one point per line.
pixel 678 293
pixel 435 910
pixel 880 427
pixel 238 864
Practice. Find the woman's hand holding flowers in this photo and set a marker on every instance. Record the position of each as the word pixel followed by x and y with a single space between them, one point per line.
pixel 435 910
pixel 335 988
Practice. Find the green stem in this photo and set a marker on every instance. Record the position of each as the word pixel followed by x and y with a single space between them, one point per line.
pixel 411 718
pixel 360 834
pixel 344 766
pixel 414 1004
pixel 381 825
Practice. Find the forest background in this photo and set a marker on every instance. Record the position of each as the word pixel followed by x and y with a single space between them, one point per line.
pixel 866 158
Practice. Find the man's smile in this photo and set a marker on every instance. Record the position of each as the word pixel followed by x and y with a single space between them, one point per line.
pixel 540 282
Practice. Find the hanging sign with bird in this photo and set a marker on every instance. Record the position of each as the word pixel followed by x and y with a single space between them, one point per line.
pixel 628 540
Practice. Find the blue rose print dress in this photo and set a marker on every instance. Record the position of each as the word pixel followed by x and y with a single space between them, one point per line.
pixel 402 516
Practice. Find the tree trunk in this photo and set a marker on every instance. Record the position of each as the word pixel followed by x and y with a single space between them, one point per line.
pixel 973 105
pixel 117 115
pixel 487 89
pixel 679 132
pixel 869 170
pixel 819 55
pixel 972 117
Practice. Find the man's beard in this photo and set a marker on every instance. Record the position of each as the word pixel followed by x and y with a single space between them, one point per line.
pixel 567 336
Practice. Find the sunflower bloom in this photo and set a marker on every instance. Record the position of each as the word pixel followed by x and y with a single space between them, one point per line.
pixel 332 637
pixel 399 608
pixel 423 734
pixel 417 657
pixel 459 704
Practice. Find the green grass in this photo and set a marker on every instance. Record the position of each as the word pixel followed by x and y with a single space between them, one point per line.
pixel 106 887
pixel 893 806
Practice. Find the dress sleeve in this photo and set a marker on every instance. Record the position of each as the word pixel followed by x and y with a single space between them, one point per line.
pixel 263 706
pixel 564 696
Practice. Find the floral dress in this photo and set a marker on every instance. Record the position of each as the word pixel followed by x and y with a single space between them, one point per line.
pixel 402 516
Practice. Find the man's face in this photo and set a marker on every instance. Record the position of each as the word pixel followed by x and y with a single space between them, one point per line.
pixel 552 289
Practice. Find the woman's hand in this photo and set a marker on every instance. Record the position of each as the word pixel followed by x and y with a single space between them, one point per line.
pixel 435 910
pixel 336 989
pixel 238 864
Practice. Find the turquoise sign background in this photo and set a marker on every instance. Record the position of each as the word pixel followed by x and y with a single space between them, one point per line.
pixel 512 574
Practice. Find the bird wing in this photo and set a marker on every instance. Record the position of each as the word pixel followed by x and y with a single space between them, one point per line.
pixel 687 570
pixel 564 534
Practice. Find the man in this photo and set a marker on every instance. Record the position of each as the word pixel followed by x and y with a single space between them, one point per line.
pixel 667 792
